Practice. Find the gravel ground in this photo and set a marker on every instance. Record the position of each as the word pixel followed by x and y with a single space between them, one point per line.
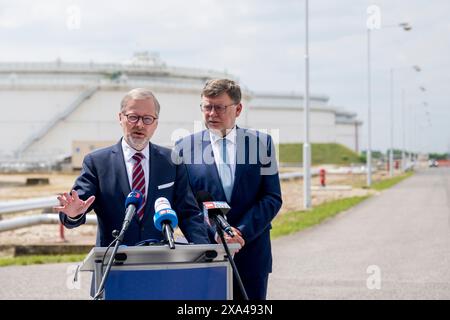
pixel 12 186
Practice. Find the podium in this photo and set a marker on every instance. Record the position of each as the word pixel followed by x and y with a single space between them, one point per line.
pixel 188 272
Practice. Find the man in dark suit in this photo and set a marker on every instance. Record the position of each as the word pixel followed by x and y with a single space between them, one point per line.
pixel 108 175
pixel 238 166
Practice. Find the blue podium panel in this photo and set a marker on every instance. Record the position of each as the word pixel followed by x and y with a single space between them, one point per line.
pixel 190 282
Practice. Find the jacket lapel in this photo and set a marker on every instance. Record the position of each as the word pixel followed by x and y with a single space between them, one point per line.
pixel 120 168
pixel 240 167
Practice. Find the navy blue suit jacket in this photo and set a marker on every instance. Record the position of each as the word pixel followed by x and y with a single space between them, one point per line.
pixel 104 176
pixel 256 195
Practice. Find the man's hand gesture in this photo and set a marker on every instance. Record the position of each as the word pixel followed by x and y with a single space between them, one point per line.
pixel 72 205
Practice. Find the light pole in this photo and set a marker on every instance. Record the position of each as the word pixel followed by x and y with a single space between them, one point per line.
pixel 373 22
pixel 391 153
pixel 404 131
pixel 404 113
pixel 406 27
pixel 369 110
pixel 306 144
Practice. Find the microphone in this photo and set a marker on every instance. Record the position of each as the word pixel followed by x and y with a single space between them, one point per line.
pixel 132 204
pixel 165 219
pixel 216 210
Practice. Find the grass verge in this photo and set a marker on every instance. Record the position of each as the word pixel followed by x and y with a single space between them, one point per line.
pixel 385 184
pixel 282 225
pixel 298 220
pixel 40 259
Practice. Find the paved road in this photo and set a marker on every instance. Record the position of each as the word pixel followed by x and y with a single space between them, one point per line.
pixel 394 246
pixel 398 241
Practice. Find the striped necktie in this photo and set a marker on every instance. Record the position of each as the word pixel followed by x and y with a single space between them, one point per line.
pixel 139 180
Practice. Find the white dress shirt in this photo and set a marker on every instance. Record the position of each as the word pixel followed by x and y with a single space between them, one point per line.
pixel 128 153
pixel 216 143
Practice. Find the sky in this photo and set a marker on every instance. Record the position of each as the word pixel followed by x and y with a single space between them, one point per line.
pixel 262 43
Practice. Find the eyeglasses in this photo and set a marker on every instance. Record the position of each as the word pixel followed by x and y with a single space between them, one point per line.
pixel 218 108
pixel 133 118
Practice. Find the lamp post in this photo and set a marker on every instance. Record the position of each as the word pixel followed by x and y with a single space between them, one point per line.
pixel 306 144
pixel 404 113
pixel 391 153
pixel 369 110
pixel 406 27
pixel 374 22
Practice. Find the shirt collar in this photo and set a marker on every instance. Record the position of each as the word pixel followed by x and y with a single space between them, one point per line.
pixel 129 152
pixel 231 136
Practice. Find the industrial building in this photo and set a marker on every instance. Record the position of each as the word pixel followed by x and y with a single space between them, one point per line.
pixel 59 110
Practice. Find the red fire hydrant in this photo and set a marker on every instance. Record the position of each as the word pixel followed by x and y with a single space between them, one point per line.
pixel 322 174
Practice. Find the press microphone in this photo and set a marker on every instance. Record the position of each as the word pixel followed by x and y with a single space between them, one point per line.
pixel 216 210
pixel 165 219
pixel 132 204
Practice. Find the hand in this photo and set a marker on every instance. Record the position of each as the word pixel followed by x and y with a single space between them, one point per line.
pixel 236 239
pixel 72 205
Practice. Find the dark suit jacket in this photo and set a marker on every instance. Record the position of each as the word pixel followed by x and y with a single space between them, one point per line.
pixel 256 195
pixel 104 176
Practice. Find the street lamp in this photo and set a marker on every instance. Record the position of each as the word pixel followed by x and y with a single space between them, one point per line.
pixel 417 69
pixel 407 27
pixel 374 22
pixel 306 145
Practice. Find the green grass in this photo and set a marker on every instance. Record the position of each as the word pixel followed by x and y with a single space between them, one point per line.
pixel 298 220
pixel 321 153
pixel 282 225
pixel 40 259
pixel 385 184
pixel 295 221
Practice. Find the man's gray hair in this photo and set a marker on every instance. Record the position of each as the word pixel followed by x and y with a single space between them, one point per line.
pixel 139 94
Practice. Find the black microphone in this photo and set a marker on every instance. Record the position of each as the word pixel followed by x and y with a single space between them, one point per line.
pixel 216 210
pixel 132 205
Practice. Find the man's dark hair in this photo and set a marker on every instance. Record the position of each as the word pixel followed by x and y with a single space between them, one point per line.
pixel 216 87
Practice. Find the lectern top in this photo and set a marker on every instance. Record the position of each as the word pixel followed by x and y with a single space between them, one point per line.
pixel 161 254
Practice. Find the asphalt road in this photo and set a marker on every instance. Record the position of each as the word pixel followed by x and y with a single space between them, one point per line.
pixel 395 245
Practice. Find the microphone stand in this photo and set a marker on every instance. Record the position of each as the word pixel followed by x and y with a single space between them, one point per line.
pixel 230 258
pixel 168 234
pixel 118 240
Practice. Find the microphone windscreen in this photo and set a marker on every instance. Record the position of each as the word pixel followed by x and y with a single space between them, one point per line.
pixel 164 213
pixel 135 198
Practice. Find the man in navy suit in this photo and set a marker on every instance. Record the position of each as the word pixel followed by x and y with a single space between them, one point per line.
pixel 238 166
pixel 108 175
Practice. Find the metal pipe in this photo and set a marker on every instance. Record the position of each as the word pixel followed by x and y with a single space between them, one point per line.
pixel 27 204
pixel 28 221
